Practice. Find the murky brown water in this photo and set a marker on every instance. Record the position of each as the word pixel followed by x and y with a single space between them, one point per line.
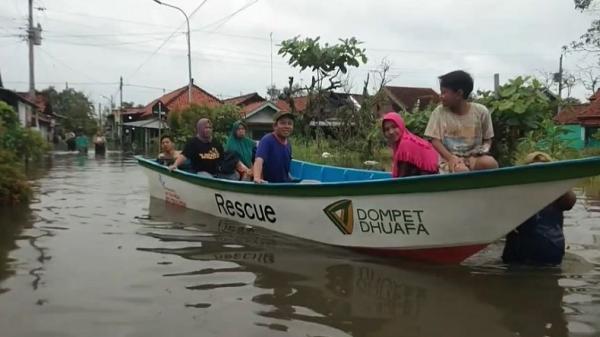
pixel 95 256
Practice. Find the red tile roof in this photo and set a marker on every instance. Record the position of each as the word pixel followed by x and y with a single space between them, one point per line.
pixel 570 114
pixel 25 97
pixel 244 99
pixel 591 115
pixel 133 111
pixel 282 105
pixel 407 97
pixel 178 100
pixel 300 103
pixel 251 107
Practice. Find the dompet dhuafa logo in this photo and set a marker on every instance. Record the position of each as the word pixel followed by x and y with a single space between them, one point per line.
pixel 342 215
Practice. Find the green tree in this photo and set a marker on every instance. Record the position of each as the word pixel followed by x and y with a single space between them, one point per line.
pixel 15 144
pixel 328 63
pixel 24 143
pixel 183 123
pixel 75 107
pixel 547 138
pixel 590 40
pixel 520 106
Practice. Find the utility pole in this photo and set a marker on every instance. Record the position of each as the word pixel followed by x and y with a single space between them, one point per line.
pixel 496 83
pixel 100 115
pixel 30 41
pixel 271 37
pixel 159 123
pixel 118 115
pixel 558 77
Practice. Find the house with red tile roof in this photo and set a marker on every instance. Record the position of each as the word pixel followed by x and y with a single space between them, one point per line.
pixel 582 121
pixel 139 125
pixel 568 117
pixel 589 118
pixel 407 99
pixel 244 100
pixel 33 112
pixel 256 112
pixel 178 100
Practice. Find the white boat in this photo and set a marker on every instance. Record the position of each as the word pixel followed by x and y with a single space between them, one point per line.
pixel 438 218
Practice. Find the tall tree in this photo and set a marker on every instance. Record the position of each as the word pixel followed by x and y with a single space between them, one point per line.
pixel 328 63
pixel 590 40
pixel 75 107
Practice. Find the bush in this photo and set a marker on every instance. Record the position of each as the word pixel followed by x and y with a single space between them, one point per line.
pixel 16 145
pixel 14 187
pixel 520 107
pixel 547 138
pixel 309 151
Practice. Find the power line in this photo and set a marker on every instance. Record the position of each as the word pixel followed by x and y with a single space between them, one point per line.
pixel 111 19
pixel 225 19
pixel 63 82
pixel 165 42
pixel 66 65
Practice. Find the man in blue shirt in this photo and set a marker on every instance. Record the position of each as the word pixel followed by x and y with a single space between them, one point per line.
pixel 540 240
pixel 274 152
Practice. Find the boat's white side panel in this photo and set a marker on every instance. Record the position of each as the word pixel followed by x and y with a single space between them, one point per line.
pixel 441 219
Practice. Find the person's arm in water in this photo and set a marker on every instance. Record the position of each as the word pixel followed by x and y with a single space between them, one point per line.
pixel 178 161
pixel 566 201
pixel 257 169
pixel 452 160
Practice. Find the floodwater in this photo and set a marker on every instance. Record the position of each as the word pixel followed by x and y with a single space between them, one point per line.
pixel 94 255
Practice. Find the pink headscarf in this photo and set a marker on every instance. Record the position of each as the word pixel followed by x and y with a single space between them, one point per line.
pixel 411 148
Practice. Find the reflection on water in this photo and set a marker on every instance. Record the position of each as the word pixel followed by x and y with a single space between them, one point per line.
pixel 358 295
pixel 96 256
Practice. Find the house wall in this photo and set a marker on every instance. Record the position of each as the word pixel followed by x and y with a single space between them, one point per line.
pixel 574 136
pixel 44 130
pixel 260 123
pixel 264 116
pixel 256 132
pixel 24 112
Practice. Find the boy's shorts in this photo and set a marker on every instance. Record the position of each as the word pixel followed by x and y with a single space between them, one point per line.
pixel 469 162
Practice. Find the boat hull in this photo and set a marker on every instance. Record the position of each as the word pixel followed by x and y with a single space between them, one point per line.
pixel 442 226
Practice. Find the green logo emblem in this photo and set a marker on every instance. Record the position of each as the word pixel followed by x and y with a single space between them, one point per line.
pixel 341 214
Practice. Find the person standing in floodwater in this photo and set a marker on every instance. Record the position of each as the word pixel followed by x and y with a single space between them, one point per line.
pixel 81 142
pixel 99 144
pixel 540 240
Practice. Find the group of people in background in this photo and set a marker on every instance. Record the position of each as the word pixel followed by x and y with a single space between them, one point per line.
pixel 241 158
pixel 79 142
pixel 458 139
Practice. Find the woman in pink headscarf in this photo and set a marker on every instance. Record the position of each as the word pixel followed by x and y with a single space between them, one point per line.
pixel 412 155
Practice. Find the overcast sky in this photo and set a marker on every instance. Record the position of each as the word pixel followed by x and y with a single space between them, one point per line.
pixel 89 44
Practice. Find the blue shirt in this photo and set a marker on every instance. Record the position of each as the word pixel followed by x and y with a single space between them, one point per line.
pixel 539 240
pixel 277 158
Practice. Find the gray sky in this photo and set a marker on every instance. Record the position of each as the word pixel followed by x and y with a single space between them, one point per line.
pixel 89 44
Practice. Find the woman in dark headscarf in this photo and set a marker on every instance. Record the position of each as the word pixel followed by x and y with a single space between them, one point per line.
pixel 203 152
pixel 243 146
pixel 206 155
